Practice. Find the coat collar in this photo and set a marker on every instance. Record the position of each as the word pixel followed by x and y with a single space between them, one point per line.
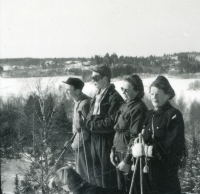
pixel 163 108
pixel 82 97
pixel 135 100
pixel 110 90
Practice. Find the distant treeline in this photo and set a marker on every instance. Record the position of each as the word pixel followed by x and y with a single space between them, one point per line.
pixel 174 64
pixel 26 62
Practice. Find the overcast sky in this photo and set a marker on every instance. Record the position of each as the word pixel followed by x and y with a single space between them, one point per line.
pixel 83 28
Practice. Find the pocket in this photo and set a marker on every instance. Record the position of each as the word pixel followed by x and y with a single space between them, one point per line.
pixel 160 132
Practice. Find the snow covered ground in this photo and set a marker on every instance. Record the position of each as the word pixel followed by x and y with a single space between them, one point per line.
pixel 23 86
pixel 10 168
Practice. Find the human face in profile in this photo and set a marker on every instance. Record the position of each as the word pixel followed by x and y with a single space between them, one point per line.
pixel 97 80
pixel 71 92
pixel 128 90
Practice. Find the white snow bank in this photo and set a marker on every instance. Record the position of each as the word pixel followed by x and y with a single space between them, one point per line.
pixel 23 86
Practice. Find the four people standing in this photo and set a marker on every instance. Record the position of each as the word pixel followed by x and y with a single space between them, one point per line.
pixel 115 124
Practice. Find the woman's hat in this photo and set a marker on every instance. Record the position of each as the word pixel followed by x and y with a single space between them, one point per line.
pixel 162 83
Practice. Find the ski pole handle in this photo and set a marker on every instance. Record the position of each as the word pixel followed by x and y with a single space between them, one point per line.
pixel 81 115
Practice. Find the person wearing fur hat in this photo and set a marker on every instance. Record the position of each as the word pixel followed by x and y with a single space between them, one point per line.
pixel 81 143
pixel 100 121
pixel 128 124
pixel 163 135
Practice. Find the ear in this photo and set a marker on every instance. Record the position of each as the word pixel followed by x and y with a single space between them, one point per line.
pixel 78 91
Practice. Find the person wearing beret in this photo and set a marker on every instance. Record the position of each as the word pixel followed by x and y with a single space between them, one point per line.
pixel 128 124
pixel 81 143
pixel 100 121
pixel 164 141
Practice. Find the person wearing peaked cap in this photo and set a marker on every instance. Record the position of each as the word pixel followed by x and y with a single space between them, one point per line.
pixel 128 124
pixel 81 143
pixel 164 133
pixel 100 121
pixel 76 82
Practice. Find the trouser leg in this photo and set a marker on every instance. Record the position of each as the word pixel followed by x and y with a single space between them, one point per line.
pixel 105 172
pixel 123 179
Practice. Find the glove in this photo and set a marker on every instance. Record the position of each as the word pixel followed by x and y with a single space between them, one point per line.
pixel 112 158
pixel 124 167
pixel 148 150
pixel 136 140
pixel 138 150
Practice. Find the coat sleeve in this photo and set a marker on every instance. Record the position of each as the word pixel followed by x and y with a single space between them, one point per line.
pixel 174 140
pixel 104 123
pixel 84 108
pixel 136 122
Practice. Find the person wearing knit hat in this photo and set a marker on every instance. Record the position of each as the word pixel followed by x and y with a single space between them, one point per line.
pixel 81 143
pixel 128 124
pixel 162 82
pixel 163 134
pixel 103 107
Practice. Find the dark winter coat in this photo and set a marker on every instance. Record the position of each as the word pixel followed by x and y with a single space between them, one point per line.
pixel 164 129
pixel 129 121
pixel 102 134
pixel 104 122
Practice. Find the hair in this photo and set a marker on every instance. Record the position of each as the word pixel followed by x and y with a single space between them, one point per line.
pixel 102 76
pixel 136 87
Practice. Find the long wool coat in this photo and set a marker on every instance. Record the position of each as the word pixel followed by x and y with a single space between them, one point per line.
pixel 164 129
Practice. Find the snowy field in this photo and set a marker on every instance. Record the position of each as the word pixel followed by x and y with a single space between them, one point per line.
pixel 10 168
pixel 23 86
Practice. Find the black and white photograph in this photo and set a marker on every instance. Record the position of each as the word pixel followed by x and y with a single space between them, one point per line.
pixel 100 97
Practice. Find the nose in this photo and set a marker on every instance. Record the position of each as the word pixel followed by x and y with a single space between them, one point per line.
pixel 154 96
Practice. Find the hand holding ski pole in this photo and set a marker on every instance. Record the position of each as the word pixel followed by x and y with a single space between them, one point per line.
pixel 68 143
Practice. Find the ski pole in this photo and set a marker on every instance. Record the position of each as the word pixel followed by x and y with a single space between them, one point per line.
pixel 68 144
pixel 141 171
pixel 133 177
pixel 80 113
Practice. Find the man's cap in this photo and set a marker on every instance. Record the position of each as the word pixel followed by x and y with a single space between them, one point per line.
pixel 102 69
pixel 162 82
pixel 76 82
pixel 136 82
